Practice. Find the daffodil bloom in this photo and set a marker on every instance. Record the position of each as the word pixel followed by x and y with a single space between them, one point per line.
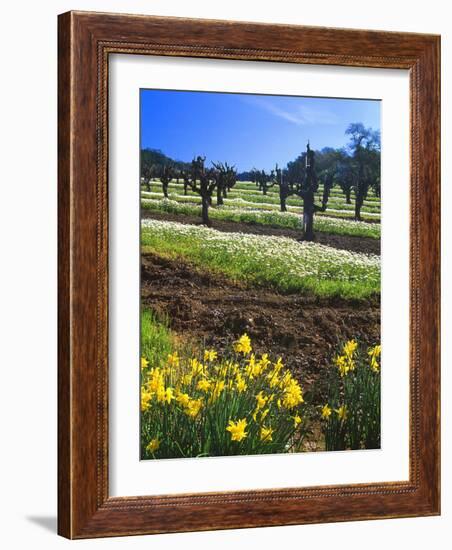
pixel 144 362
pixel 293 395
pixel 278 365
pixel 374 353
pixel 350 347
pixel 264 414
pixel 264 361
pixel 155 380
pixel 266 433
pixel 173 359
pixel 217 389
pixel 376 350
pixel 222 371
pixel 182 398
pixel 296 420
pixel 196 367
pixel 326 411
pixel 240 383
pixel 210 355
pixel 146 397
pixel 345 363
pixel 153 445
pixel 169 395
pixel 237 429
pixel 286 380
pixel 342 412
pixel 204 384
pixel 165 395
pixel 250 368
pixel 193 407
pixel 261 400
pixel 243 345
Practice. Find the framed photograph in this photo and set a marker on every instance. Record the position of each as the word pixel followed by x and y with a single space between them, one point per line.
pixel 248 275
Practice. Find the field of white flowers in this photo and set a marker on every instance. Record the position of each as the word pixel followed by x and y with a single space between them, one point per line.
pixel 292 220
pixel 246 195
pixel 282 263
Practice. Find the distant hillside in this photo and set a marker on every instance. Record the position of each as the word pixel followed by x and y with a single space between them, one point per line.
pixel 157 158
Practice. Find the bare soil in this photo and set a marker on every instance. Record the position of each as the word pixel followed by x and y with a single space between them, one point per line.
pixel 365 245
pixel 304 330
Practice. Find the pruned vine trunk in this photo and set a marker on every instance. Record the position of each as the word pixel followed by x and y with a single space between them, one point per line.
pixel 205 211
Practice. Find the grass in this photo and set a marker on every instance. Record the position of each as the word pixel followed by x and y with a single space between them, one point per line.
pixel 156 340
pixel 351 416
pixel 293 205
pixel 253 195
pixel 276 262
pixel 290 220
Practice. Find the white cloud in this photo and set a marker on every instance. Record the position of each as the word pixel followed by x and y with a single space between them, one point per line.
pixel 301 115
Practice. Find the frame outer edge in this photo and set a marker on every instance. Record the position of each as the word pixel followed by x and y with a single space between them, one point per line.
pixel 82 510
pixel 64 278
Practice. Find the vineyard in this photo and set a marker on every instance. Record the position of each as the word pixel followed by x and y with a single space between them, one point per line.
pixel 260 301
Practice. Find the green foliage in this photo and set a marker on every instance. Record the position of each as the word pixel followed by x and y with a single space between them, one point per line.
pixel 351 417
pixel 275 262
pixel 290 220
pixel 156 341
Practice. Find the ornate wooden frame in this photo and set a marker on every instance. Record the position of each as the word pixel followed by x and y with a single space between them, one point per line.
pixel 85 42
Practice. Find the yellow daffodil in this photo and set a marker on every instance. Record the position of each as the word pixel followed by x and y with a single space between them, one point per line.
pixel 350 347
pixel 146 397
pixel 243 344
pixel 197 367
pixel 193 407
pixel 217 389
pixel 204 384
pixel 182 398
pixel 210 355
pixel 155 379
pixel 293 395
pixel 266 434
pixel 237 429
pixel 296 420
pixel 240 383
pixel 374 353
pixel 261 400
pixel 342 364
pixel 342 412
pixel 153 445
pixel 173 359
pixel 264 361
pixel 144 362
pixel 326 411
pixel 165 395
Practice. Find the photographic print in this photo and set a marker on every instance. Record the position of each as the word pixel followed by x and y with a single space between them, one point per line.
pixel 260 274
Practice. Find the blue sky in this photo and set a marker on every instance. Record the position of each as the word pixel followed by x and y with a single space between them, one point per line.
pixel 244 129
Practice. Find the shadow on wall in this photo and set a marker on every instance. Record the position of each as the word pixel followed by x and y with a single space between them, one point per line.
pixel 49 523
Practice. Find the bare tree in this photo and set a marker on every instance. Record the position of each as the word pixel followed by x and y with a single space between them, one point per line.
pixel 305 185
pixel 264 181
pixel 226 177
pixel 148 171
pixel 166 175
pixel 202 181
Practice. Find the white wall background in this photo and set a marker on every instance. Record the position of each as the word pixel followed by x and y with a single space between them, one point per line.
pixel 28 125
